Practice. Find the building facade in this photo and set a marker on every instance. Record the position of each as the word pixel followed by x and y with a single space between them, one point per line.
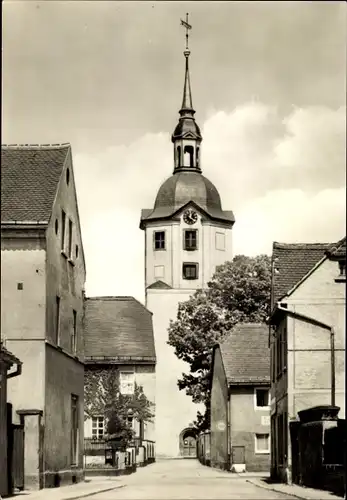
pixel 119 340
pixel 307 339
pixel 187 234
pixel 240 404
pixel 42 282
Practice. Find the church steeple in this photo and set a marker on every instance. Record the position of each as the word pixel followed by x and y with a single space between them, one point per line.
pixel 187 137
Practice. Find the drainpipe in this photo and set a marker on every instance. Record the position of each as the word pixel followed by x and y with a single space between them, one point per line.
pixel 325 326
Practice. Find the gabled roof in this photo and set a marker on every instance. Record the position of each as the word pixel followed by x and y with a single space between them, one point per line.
pixel 291 262
pixel 29 180
pixel 246 356
pixel 159 285
pixel 118 327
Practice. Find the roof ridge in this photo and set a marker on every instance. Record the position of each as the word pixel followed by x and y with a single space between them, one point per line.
pixel 60 145
pixel 299 246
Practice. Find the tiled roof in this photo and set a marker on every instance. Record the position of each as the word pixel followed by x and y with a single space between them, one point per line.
pixel 291 262
pixel 246 355
pixel 117 327
pixel 29 180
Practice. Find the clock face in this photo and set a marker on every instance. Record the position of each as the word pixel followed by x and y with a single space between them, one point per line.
pixel 190 217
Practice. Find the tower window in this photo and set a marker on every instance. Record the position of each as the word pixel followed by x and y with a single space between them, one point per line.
pixel 198 157
pixel 189 156
pixel 178 156
pixel 159 240
pixel 190 271
pixel 190 241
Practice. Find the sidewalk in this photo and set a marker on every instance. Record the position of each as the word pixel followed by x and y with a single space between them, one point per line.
pixel 295 490
pixel 83 489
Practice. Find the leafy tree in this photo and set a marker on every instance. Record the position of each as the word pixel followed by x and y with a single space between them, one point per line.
pixel 102 396
pixel 239 292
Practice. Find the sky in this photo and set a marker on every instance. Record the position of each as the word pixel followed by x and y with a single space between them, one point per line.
pixel 269 88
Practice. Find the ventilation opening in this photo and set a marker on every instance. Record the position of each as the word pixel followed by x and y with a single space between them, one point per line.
pixel 189 156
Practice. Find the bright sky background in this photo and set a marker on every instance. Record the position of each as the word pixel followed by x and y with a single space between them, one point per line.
pixel 269 87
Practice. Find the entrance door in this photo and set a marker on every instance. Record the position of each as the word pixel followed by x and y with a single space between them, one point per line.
pixel 189 446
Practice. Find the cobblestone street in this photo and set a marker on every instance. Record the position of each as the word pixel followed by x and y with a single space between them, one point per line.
pixel 186 479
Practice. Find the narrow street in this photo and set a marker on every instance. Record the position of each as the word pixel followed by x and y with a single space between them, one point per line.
pixel 186 479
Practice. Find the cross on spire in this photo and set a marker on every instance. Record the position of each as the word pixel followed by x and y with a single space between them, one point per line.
pixel 187 27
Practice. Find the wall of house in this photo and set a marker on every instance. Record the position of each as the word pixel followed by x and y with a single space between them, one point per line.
pixel 174 409
pixel 145 377
pixel 64 377
pixel 219 448
pixel 243 430
pixel 323 298
pixel 65 273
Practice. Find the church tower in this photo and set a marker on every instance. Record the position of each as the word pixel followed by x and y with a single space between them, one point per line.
pixel 187 234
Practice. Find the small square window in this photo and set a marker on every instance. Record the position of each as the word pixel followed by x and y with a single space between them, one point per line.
pixel 159 240
pixel 190 271
pixel 262 443
pixel 190 239
pixel 262 398
pixel 19 286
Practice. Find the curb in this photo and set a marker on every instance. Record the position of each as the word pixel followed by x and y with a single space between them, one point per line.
pixel 104 490
pixel 269 488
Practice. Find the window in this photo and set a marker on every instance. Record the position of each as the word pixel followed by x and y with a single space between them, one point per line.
pixel 190 241
pixel 70 239
pixel 57 320
pixel 190 271
pixel 74 332
pixel 197 157
pixel 76 251
pixel 220 241
pixel 98 427
pixel 262 443
pixel 178 156
pixel 261 398
pixel 63 223
pixel 56 226
pixel 281 350
pixel 127 382
pixel 67 176
pixel 159 240
pixel 74 429
pixel 19 286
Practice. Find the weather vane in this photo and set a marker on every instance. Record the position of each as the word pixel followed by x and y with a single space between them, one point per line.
pixel 187 27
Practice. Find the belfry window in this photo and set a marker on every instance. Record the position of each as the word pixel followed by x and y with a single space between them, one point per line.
pixel 178 156
pixel 159 240
pixel 198 157
pixel 188 156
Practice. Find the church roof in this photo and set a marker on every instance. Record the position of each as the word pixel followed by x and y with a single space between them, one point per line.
pixel 29 180
pixel 182 188
pixel 245 354
pixel 118 327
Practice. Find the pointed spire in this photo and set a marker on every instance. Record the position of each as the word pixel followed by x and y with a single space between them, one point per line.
pixel 187 91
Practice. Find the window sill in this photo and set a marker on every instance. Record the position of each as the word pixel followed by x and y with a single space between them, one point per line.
pixel 160 249
pixel 189 279
pixel 262 408
pixel 340 279
pixel 190 249
pixel 265 452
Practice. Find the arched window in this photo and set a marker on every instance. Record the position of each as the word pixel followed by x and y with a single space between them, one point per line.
pixel 178 156
pixel 198 157
pixel 189 156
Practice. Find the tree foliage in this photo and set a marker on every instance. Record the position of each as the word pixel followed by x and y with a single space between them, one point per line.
pixel 239 292
pixel 102 396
